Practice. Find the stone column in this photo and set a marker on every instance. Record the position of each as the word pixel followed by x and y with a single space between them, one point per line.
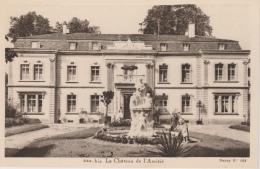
pixel 150 75
pixel 246 62
pixel 52 71
pixel 110 84
pixel 206 63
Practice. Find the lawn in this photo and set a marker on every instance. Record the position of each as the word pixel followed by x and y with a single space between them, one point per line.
pixel 23 129
pixel 81 144
pixel 240 127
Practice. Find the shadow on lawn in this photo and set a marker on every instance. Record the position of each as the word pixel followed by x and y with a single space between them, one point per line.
pixel 29 152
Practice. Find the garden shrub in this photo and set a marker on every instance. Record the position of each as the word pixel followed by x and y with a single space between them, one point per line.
pixel 10 110
pixel 121 123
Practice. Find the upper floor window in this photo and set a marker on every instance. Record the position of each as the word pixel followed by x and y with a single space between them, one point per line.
pixel 94 73
pixel 96 46
pixel 219 72
pixel 94 103
pixel 38 72
pixel 163 47
pixel 186 47
pixel 72 74
pixel 71 103
pixel 231 72
pixel 73 45
pixel 163 69
pixel 186 104
pixel 36 45
pixel 186 73
pixel 222 46
pixel 25 72
pixel 225 103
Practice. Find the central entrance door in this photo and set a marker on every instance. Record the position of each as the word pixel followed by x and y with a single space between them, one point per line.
pixel 127 114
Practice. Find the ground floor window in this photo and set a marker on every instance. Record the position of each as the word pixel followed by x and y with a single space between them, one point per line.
pixel 71 103
pixel 186 104
pixel 94 103
pixel 225 103
pixel 31 103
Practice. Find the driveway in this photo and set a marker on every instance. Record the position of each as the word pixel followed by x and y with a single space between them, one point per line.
pixel 19 141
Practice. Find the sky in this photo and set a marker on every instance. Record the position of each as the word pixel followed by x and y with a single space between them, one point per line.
pixel 228 21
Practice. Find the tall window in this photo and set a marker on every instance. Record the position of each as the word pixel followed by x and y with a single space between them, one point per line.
pixel 94 73
pixel 72 45
pixel 186 73
pixel 94 103
pixel 38 73
pixel 31 103
pixel 185 104
pixel 25 72
pixel 231 72
pixel 225 103
pixel 72 76
pixel 219 71
pixel 186 47
pixel 163 69
pixel 39 103
pixel 22 103
pixel 163 47
pixel 71 103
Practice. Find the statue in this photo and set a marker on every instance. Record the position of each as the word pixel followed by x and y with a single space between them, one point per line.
pixel 140 87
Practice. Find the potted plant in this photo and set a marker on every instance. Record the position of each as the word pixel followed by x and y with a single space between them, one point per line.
pixel 199 105
pixel 106 98
pixel 82 116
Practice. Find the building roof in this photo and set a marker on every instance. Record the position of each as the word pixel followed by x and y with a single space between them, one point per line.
pixel 124 37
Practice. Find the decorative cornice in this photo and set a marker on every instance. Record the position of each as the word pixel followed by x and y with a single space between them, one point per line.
pixel 206 62
pixel 110 65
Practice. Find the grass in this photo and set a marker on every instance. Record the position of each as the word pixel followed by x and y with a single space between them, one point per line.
pixel 215 146
pixel 240 127
pixel 23 129
pixel 81 144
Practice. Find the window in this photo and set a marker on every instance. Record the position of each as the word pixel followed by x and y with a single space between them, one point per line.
pixel 185 104
pixel 219 72
pixel 72 76
pixel 95 46
pixel 163 103
pixel 222 46
pixel 163 73
pixel 31 103
pixel 163 47
pixel 225 103
pixel 94 103
pixel 186 73
pixel 72 45
pixel 38 73
pixel 25 72
pixel 71 103
pixel 94 73
pixel 36 45
pixel 186 47
pixel 231 72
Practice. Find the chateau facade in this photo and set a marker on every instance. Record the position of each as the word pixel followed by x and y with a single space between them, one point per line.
pixel 61 74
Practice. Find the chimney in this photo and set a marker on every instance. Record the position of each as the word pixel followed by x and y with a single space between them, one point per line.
pixel 64 28
pixel 141 28
pixel 191 30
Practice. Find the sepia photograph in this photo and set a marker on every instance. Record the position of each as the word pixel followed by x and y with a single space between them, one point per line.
pixel 123 84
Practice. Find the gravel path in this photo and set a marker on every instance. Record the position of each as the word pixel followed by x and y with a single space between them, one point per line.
pixel 19 141
pixel 222 131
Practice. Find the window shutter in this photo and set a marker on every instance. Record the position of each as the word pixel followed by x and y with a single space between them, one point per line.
pixel 99 46
pixel 90 46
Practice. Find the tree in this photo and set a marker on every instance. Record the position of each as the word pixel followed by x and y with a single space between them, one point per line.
pixel 27 25
pixel 9 53
pixel 106 98
pixel 174 20
pixel 78 26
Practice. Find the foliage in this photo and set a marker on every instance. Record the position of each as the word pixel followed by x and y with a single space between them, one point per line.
pixel 9 122
pixel 24 129
pixel 79 26
pixel 27 25
pixel 10 110
pixel 242 127
pixel 106 98
pixel 170 146
pixel 174 20
pixel 9 53
pixel 120 122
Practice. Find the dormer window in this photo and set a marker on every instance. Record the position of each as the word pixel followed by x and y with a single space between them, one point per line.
pixel 186 47
pixel 222 46
pixel 163 47
pixel 96 46
pixel 72 45
pixel 36 45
